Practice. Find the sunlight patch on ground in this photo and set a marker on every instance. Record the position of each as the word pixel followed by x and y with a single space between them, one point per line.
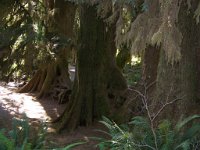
pixel 17 104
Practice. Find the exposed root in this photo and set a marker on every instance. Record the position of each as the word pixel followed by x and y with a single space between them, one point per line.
pixel 51 81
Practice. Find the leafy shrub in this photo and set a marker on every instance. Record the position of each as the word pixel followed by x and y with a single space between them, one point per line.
pixel 138 135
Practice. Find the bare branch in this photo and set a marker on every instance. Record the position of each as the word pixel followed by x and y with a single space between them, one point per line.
pixel 162 108
pixel 152 117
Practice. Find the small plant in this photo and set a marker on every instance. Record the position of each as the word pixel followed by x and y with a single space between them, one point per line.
pixel 137 135
pixel 145 134
pixel 5 143
pixel 19 137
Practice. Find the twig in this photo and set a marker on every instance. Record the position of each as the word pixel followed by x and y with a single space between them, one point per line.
pixel 162 108
pixel 151 117
pixel 144 101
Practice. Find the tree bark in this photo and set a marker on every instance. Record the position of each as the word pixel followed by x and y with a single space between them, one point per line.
pixel 150 64
pixel 133 105
pixel 94 71
pixel 179 81
pixel 57 69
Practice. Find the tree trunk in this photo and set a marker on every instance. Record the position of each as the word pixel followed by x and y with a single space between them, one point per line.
pixel 150 64
pixel 94 71
pixel 133 105
pixel 54 77
pixel 180 79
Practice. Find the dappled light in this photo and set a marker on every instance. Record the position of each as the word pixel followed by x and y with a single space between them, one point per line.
pixel 128 68
pixel 17 104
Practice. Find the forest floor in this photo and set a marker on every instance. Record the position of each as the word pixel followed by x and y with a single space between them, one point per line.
pixel 15 105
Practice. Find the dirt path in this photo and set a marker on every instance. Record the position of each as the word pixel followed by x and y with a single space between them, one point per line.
pixel 14 104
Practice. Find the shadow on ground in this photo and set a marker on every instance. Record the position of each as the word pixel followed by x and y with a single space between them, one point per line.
pixel 13 104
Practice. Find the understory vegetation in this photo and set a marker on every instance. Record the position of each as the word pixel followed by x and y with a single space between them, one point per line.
pixel 138 135
pixel 135 62
pixel 134 135
pixel 23 136
pixel 132 73
pixel 20 137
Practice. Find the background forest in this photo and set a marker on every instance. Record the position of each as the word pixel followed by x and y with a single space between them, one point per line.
pixel 135 62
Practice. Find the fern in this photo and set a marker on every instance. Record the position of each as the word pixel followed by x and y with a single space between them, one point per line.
pixel 70 146
pixel 19 137
pixel 5 143
pixel 137 135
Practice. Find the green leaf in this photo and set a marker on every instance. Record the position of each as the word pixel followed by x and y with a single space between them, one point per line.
pixel 140 121
pixel 191 132
pixel 185 121
pixel 70 146
pixel 5 142
pixel 108 123
pixel 184 145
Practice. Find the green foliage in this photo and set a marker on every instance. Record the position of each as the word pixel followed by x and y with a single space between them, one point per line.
pixel 27 40
pixel 20 134
pixel 132 73
pixel 137 135
pixel 17 34
pixel 71 146
pixel 19 137
pixel 5 143
pixel 40 136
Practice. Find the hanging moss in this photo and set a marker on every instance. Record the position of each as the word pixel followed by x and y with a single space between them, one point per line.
pixel 180 80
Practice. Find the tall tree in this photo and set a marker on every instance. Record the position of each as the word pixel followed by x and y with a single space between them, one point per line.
pixel 180 80
pixel 96 72
pixel 16 33
pixel 133 104
pixel 170 25
pixel 54 72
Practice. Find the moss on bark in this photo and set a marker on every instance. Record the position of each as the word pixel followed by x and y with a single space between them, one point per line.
pixel 180 80
pixel 96 71
pixel 44 81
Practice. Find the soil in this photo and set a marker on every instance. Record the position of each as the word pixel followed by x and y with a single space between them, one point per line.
pixel 15 105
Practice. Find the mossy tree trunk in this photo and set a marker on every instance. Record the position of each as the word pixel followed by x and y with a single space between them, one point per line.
pixel 133 105
pixel 180 80
pixel 150 64
pixel 96 71
pixel 55 73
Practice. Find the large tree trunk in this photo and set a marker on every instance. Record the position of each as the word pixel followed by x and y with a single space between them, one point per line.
pixel 179 81
pixel 54 76
pixel 150 64
pixel 94 71
pixel 133 105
